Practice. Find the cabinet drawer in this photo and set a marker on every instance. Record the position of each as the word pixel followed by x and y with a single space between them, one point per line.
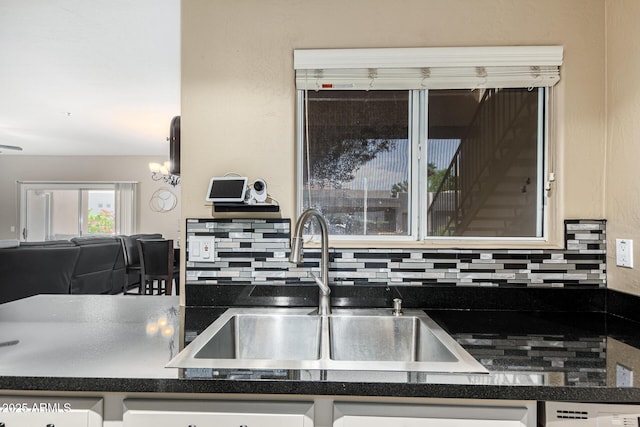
pixel 435 415
pixel 172 413
pixel 18 411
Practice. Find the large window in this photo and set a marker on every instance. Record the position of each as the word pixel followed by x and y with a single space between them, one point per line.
pixel 52 211
pixel 383 159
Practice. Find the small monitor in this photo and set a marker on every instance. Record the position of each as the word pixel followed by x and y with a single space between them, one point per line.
pixel 228 189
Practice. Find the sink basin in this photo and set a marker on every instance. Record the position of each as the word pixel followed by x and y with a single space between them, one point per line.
pixel 256 338
pixel 264 336
pixel 346 340
pixel 379 338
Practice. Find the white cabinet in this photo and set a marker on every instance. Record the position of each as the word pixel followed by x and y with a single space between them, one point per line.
pixel 184 413
pixel 480 414
pixel 20 411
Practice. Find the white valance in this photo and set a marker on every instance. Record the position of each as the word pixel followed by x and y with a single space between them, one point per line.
pixel 428 68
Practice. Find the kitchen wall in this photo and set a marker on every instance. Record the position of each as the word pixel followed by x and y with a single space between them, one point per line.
pixel 85 168
pixel 238 94
pixel 622 199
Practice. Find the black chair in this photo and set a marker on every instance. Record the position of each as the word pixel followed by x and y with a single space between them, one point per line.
pixel 132 259
pixel 158 267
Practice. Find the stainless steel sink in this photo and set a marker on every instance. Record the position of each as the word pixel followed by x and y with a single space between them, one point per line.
pixel 347 339
pixel 377 338
pixel 265 336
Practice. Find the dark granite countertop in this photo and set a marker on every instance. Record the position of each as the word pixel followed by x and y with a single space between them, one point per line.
pixel 116 344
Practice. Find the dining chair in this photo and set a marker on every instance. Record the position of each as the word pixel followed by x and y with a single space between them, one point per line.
pixel 132 260
pixel 158 267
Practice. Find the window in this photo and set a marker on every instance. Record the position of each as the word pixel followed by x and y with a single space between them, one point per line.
pixel 358 157
pixel 52 211
pixel 424 152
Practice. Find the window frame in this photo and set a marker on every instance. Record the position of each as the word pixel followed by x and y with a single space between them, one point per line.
pixel 418 203
pixel 338 67
pixel 542 166
pixel 414 147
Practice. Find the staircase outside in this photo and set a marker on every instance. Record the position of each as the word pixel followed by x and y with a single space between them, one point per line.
pixel 491 185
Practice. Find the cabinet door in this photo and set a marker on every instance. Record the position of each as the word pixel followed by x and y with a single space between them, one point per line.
pixel 195 419
pixel 172 413
pixel 364 421
pixel 16 411
pixel 435 415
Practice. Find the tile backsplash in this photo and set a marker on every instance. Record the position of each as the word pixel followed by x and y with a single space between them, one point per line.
pixel 567 360
pixel 255 251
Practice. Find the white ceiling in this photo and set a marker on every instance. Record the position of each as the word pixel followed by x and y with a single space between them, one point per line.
pixel 89 77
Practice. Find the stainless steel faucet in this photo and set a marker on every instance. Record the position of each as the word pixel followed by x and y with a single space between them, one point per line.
pixel 324 306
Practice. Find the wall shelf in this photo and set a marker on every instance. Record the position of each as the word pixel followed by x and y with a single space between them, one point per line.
pixel 244 207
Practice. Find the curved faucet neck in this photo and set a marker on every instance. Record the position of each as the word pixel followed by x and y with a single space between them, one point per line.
pixel 296 253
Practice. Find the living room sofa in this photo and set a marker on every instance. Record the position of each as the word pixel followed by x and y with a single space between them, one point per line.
pixel 82 265
pixel 100 268
pixel 35 268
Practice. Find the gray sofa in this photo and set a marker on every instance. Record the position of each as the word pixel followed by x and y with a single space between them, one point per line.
pixel 100 268
pixel 82 265
pixel 35 268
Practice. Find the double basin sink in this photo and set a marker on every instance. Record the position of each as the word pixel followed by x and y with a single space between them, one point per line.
pixel 347 339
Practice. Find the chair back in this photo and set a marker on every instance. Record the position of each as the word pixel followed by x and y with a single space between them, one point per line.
pixel 156 257
pixel 130 247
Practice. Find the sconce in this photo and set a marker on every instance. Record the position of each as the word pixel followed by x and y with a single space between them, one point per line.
pixel 161 172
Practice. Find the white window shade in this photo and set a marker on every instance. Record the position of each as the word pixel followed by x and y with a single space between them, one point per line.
pixel 427 68
pixel 125 195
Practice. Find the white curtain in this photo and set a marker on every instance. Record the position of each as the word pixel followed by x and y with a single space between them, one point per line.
pixel 125 207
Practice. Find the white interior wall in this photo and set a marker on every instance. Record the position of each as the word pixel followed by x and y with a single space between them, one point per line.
pixel 83 169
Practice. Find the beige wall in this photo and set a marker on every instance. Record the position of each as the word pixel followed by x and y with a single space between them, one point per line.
pixel 623 139
pixel 78 168
pixel 238 95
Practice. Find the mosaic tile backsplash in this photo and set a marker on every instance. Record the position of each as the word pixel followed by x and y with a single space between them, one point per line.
pixel 572 360
pixel 256 251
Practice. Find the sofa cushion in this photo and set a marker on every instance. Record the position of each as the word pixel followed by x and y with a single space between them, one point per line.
pixel 48 243
pixel 119 274
pixel 94 270
pixel 31 270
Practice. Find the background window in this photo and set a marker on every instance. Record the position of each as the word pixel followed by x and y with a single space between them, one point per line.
pixel 53 211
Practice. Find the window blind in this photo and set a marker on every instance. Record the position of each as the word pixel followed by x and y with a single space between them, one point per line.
pixel 427 68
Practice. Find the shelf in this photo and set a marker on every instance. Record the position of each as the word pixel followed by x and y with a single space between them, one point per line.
pixel 244 207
